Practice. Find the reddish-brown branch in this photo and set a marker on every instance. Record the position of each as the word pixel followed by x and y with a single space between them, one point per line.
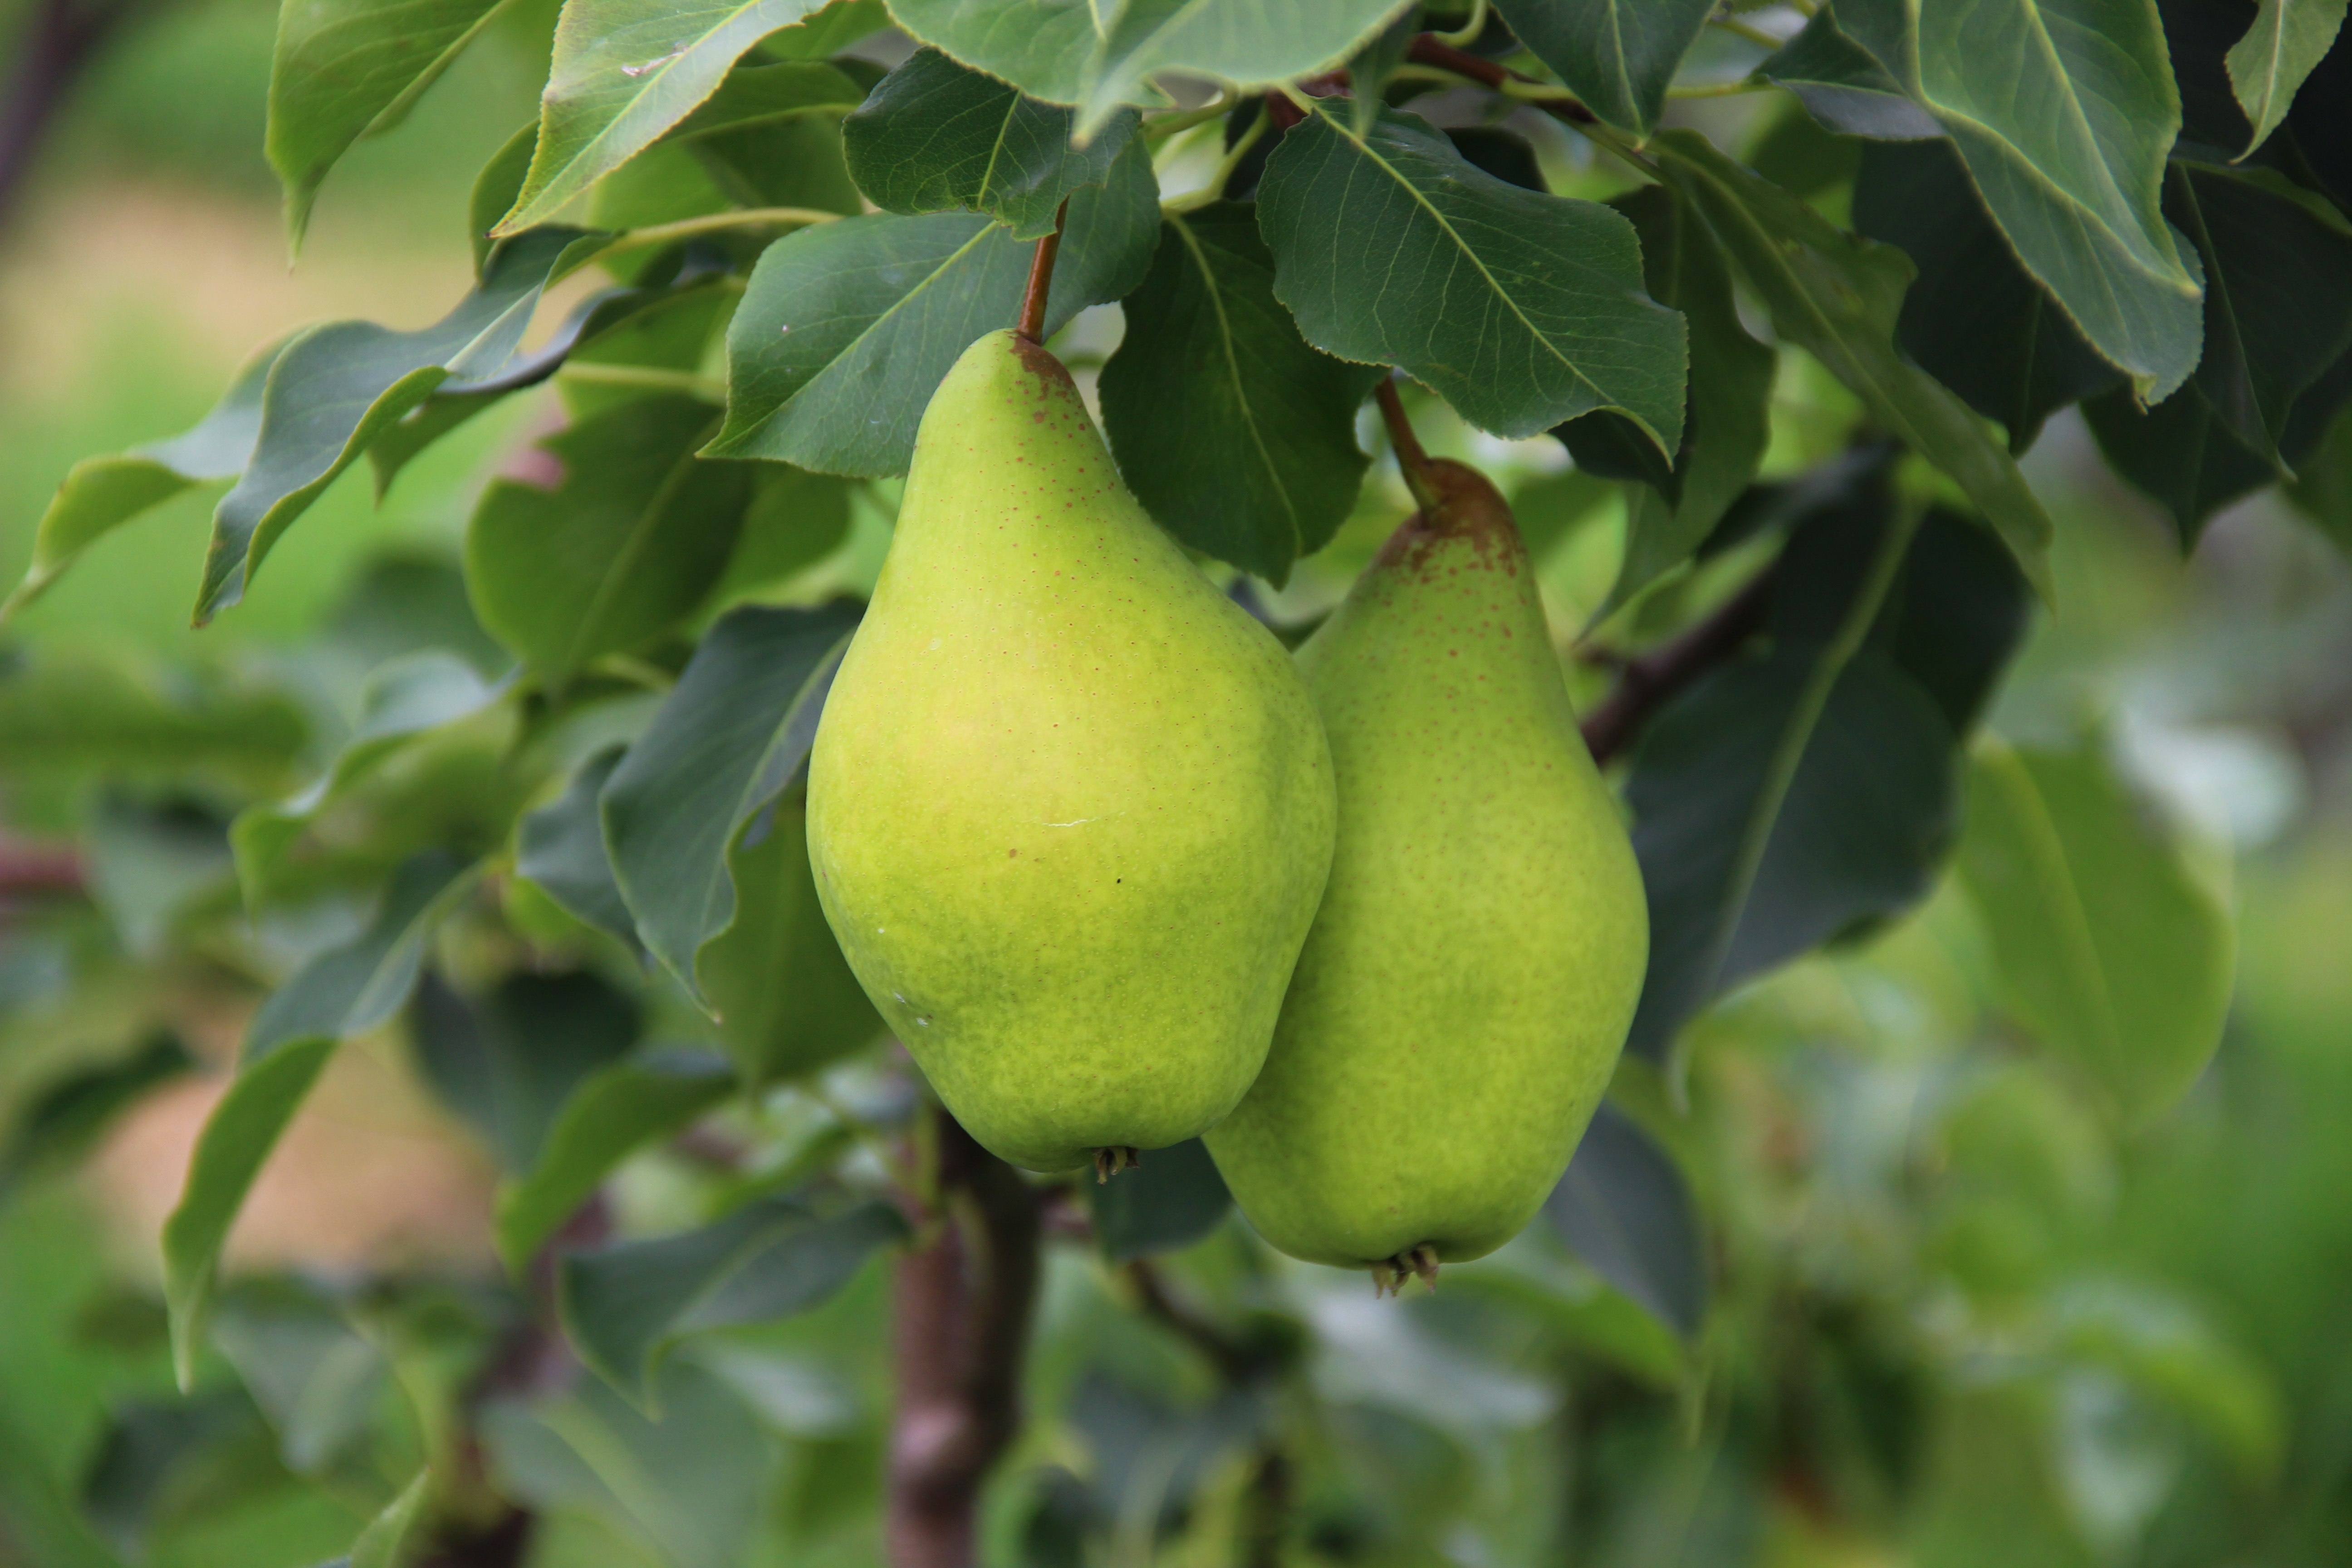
pixel 962 1310
pixel 1412 461
pixel 32 871
pixel 1431 50
pixel 1041 280
pixel 1282 112
pixel 1648 683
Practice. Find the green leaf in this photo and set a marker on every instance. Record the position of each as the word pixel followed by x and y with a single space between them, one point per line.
pixel 2178 453
pixel 785 999
pixel 1843 86
pixel 1726 418
pixel 349 69
pixel 70 709
pixel 1520 308
pixel 613 1113
pixel 496 185
pixel 1238 437
pixel 763 94
pixel 1174 1198
pixel 1624 1208
pixel 1371 67
pixel 161 1465
pixel 796 519
pixel 625 72
pixel 407 698
pixel 341 991
pixel 2109 951
pixel 1838 297
pixel 2323 486
pixel 43 1521
pixel 62 1121
pixel 937 136
pixel 102 494
pixel 1617 56
pixel 1075 51
pixel 847 328
pixel 625 1305
pixel 2269 63
pixel 383 1543
pixel 561 846
pixel 620 550
pixel 2063 111
pixel 317 1379
pixel 509 1063
pixel 335 388
pixel 1974 318
pixel 724 743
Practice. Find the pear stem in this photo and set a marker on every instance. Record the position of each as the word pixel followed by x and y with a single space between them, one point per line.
pixel 1412 461
pixel 1041 280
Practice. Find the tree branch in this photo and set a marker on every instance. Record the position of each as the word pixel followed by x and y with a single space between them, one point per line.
pixel 1648 683
pixel 1429 50
pixel 962 1310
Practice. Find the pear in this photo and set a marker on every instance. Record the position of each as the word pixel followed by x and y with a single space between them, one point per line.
pixel 1469 981
pixel 1070 809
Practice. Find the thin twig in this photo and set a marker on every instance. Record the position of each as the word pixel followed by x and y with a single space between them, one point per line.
pixel 1647 684
pixel 1431 50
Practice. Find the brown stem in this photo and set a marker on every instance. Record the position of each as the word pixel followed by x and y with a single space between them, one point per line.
pixel 1429 50
pixel 963 1309
pixel 37 869
pixel 1412 461
pixel 1282 112
pixel 56 43
pixel 1650 682
pixel 1041 280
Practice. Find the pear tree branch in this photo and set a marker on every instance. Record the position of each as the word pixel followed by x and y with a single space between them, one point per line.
pixel 1647 684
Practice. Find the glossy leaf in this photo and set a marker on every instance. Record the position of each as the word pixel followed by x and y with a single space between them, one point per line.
pixel 510 1061
pixel 625 72
pixel 1624 1209
pixel 937 136
pixel 2109 951
pixel 619 550
pixel 1073 51
pixel 335 388
pixel 102 494
pixel 61 1120
pixel 1838 297
pixel 1843 86
pixel 1617 56
pixel 1174 1198
pixel 625 1305
pixel 1237 437
pixel 349 69
pixel 725 743
pixel 1519 309
pixel 561 846
pixel 341 991
pixel 1726 413
pixel 2269 63
pixel 610 1115
pixel 847 328
pixel 2063 111
pixel 1973 318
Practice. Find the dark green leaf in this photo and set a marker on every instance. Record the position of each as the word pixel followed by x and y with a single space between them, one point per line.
pixel 762 94
pixel 794 162
pixel 2064 111
pixel 785 999
pixel 496 185
pixel 1369 68
pixel 102 494
pixel 43 1521
pixel 1073 51
pixel 509 1063
pixel 725 743
pixel 2323 486
pixel 937 136
pixel 336 388
pixel 343 991
pixel 1238 437
pixel 164 1462
pixel 406 601
pixel 1843 86
pixel 61 1120
pixel 348 68
pixel 625 72
pixel 147 863
pixel 1838 298
pixel 1625 1209
pixel 561 846
pixel 1506 154
pixel 317 1380
pixel 848 327
pixel 1973 318
pixel 624 1306
pixel 1617 56
pixel 1519 309
pixel 796 519
pixel 2109 951
pixel 1174 1198
pixel 2269 63
pixel 610 1115
pixel 628 541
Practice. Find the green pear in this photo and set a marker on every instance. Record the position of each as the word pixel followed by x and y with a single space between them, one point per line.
pixel 1468 983
pixel 1070 809
pixel 787 1001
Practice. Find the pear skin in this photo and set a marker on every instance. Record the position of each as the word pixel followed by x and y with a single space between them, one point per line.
pixel 1070 808
pixel 1470 978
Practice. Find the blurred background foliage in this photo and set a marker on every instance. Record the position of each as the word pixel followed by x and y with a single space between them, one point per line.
pixel 1965 1310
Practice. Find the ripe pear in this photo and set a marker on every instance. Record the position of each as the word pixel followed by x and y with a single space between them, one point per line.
pixel 1070 808
pixel 1469 981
